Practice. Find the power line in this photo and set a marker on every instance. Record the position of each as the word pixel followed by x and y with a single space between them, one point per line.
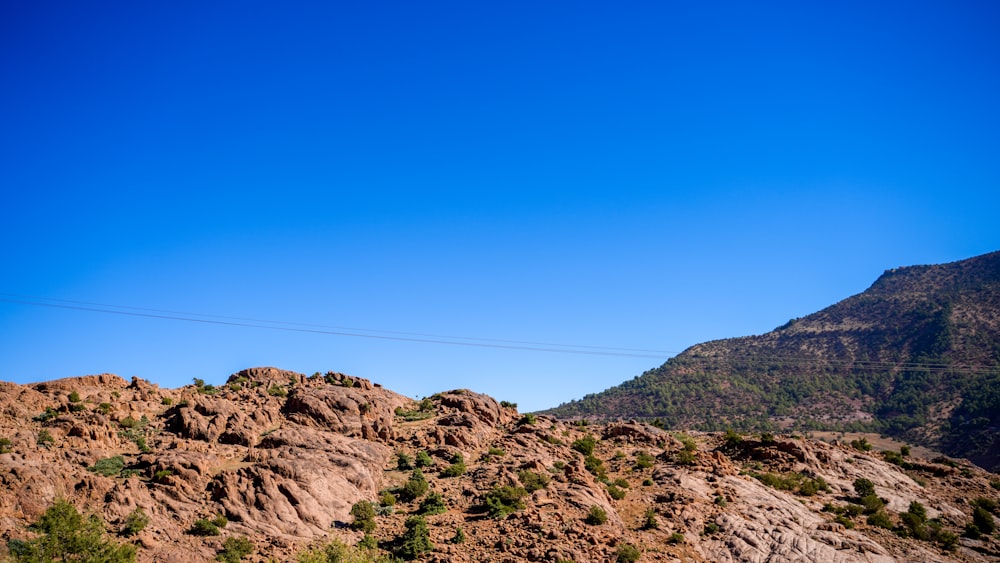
pixel 334 330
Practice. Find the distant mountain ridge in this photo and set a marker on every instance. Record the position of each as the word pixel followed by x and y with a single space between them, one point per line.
pixel 916 355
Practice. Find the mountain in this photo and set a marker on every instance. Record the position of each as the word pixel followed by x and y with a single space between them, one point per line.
pixel 278 466
pixel 915 356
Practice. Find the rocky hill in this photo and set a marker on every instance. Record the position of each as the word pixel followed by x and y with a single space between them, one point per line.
pixel 916 356
pixel 277 466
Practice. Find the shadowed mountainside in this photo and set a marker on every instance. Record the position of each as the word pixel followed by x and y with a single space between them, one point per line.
pixel 916 356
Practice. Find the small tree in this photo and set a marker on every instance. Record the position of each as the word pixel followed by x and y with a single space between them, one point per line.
pixel 597 516
pixel 70 536
pixel 235 549
pixel 416 486
pixel 864 487
pixel 135 522
pixel 416 540
pixel 364 516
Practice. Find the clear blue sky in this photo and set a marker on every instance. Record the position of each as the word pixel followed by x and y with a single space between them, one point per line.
pixel 644 175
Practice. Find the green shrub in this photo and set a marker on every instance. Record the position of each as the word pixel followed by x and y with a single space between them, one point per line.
pixel 74 397
pixel 5 445
pixel 864 487
pixel 499 452
pixel 983 520
pixel 647 482
pixel 710 529
pixel 459 537
pixel 650 520
pixel 585 445
pixel 504 501
pixel 65 533
pixel 533 481
pixel 861 445
pixel 456 468
pixel 135 522
pixel 48 414
pixel 403 461
pixel 234 549
pixel 109 467
pixel 415 487
pixel 161 475
pixel 203 527
pixel 872 504
pixel 166 401
pixel 364 516
pixel 44 438
pixel 676 538
pixel 104 408
pixel 277 391
pixel 732 438
pixel 337 552
pixel 594 465
pixel 424 459
pixel 844 521
pixel 643 460
pixel 627 553
pixel 387 499
pixel 615 492
pixel 508 405
pixel 433 503
pixel 528 419
pixel 416 540
pixel 596 516
pixel 687 441
pixel 880 519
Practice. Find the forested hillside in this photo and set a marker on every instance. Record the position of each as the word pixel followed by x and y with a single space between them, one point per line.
pixel 917 356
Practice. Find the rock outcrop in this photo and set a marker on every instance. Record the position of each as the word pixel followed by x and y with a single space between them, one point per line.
pixel 284 458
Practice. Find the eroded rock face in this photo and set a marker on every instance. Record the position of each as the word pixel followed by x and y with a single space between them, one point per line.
pixel 284 457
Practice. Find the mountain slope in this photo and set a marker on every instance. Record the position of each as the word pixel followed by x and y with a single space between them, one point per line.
pixel 917 355
pixel 281 465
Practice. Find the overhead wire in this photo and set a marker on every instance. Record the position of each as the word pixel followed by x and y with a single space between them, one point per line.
pixel 332 330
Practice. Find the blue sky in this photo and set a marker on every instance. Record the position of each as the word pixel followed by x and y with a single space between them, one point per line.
pixel 645 176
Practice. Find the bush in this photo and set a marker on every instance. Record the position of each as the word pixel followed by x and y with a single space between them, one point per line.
pixel 415 487
pixel 277 391
pixel 585 445
pixel 596 516
pixel 533 481
pixel 135 522
pixel 48 414
pixel 456 468
pixel 643 460
pixel 594 465
pixel 628 553
pixel 880 519
pixel 504 501
pixel 424 459
pixel 676 538
pixel 983 520
pixel 499 452
pixel 65 533
pixel 433 504
pixel 416 540
pixel 864 487
pixel 109 467
pixel 687 441
pixel 364 516
pixel 508 405
pixel 403 461
pixel 650 520
pixel 337 552
pixel 104 408
pixel 44 438
pixel 204 527
pixel 74 397
pixel 235 549
pixel 387 499
pixel 459 537
pixel 166 401
pixel 527 419
pixel 872 504
pixel 615 492
pixel 861 445
pixel 5 445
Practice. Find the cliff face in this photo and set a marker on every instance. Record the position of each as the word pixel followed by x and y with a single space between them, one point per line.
pixel 285 457
pixel 917 356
